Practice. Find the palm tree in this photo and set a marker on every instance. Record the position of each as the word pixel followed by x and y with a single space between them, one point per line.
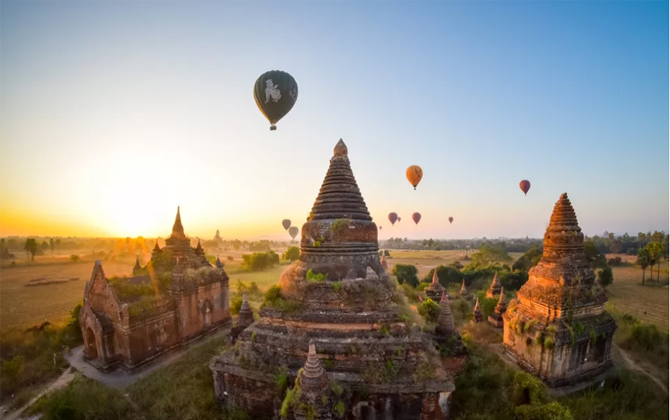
pixel 657 251
pixel 643 260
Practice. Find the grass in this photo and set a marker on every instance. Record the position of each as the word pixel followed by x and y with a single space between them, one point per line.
pixel 183 390
pixel 647 303
pixel 427 260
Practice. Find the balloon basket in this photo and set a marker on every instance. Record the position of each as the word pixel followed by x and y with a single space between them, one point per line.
pixel 273 127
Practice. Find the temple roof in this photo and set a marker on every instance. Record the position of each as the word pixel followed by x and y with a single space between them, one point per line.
pixel 339 196
pixel 177 228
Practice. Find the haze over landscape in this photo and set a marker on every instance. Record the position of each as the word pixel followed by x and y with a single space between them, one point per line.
pixel 115 113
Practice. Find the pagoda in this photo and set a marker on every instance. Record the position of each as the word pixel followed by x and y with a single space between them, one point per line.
pixel 464 292
pixel 339 298
pixel 494 289
pixel 446 335
pixel 435 290
pixel 477 313
pixel 558 328
pixel 496 317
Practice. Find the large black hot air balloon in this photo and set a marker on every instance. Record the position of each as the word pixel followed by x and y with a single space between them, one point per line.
pixel 293 231
pixel 286 223
pixel 275 93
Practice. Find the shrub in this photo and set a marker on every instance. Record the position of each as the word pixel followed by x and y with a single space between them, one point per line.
pixel 235 304
pixel 406 273
pixel 315 278
pixel 74 258
pixel 605 276
pixel 260 260
pixel 429 310
pixel 292 254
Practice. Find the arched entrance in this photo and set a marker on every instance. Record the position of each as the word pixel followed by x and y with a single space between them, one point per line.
pixel 208 316
pixel 91 344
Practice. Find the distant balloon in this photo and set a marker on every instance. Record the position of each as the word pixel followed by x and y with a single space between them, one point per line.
pixel 525 186
pixel 380 227
pixel 451 219
pixel 293 231
pixel 399 219
pixel 414 174
pixel 286 223
pixel 393 217
pixel 275 93
pixel 416 217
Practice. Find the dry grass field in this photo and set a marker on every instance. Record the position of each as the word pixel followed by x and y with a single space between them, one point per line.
pixel 427 260
pixel 647 303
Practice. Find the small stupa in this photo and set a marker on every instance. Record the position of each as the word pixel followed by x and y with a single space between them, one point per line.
pixel 464 292
pixel 477 312
pixel 435 290
pixel 446 335
pixel 558 328
pixel 494 289
pixel 313 396
pixel 496 318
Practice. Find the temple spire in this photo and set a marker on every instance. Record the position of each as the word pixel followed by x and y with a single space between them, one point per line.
pixel 445 321
pixel 219 264
pixel 339 197
pixel 178 228
pixel 436 280
pixel 477 312
pixel 495 287
pixel 246 315
pixel 156 247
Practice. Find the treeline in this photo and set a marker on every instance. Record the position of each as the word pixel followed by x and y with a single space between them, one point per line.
pixel 626 244
pixel 510 245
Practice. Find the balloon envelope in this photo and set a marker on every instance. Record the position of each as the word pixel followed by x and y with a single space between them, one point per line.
pixel 293 231
pixel 451 219
pixel 399 218
pixel 416 217
pixel 275 93
pixel 414 174
pixel 393 217
pixel 286 223
pixel 525 186
pixel 380 228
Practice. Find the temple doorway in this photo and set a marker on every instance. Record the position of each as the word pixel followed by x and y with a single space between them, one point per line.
pixel 91 344
pixel 208 315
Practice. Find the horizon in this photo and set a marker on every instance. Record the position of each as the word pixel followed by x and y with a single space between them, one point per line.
pixel 116 113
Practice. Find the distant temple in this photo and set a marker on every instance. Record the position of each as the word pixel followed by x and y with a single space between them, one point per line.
pixel 176 298
pixel 559 329
pixel 339 300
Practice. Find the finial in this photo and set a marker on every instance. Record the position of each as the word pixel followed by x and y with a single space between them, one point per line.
pixel 312 348
pixel 477 304
pixel 340 149
pixel 97 262
pixel 502 295
pixel 444 296
pixel 435 278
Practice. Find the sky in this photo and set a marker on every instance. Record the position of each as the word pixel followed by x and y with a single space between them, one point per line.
pixel 113 113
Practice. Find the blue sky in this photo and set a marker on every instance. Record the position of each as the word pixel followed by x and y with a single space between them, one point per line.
pixel 114 113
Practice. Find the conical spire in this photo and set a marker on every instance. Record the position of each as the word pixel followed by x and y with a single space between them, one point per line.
pixel 156 247
pixel 339 197
pixel 177 228
pixel 313 367
pixel 463 291
pixel 502 296
pixel 137 264
pixel 477 312
pixel 495 287
pixel 436 280
pixel 199 250
pixel 501 306
pixel 445 322
pixel 219 264
pixel 246 315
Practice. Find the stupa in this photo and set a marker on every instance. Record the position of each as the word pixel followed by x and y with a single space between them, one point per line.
pixel 446 335
pixel 494 289
pixel 435 290
pixel 559 329
pixel 338 297
pixel 501 307
pixel 464 292
pixel 477 312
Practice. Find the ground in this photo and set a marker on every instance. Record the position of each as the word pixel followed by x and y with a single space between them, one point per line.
pixel 648 303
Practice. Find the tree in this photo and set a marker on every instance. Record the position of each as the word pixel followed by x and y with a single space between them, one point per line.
pixel 641 238
pixel 44 246
pixel 74 258
pixel 643 260
pixel 52 245
pixel 657 252
pixel 31 247
pixel 528 260
pixel 605 277
pixel 593 256
pixel 406 273
pixel 490 254
pixel 292 253
pixel 616 246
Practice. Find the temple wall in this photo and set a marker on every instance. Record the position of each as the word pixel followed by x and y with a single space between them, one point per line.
pixel 207 306
pixel 150 336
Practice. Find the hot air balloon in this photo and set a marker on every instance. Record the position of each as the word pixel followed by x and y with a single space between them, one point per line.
pixel 275 93
pixel 399 219
pixel 380 228
pixel 416 217
pixel 451 219
pixel 293 231
pixel 525 186
pixel 414 174
pixel 286 223
pixel 393 217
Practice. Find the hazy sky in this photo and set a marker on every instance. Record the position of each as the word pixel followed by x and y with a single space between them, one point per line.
pixel 114 113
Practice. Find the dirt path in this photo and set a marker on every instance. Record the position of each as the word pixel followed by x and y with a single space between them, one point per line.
pixel 60 382
pixel 633 365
